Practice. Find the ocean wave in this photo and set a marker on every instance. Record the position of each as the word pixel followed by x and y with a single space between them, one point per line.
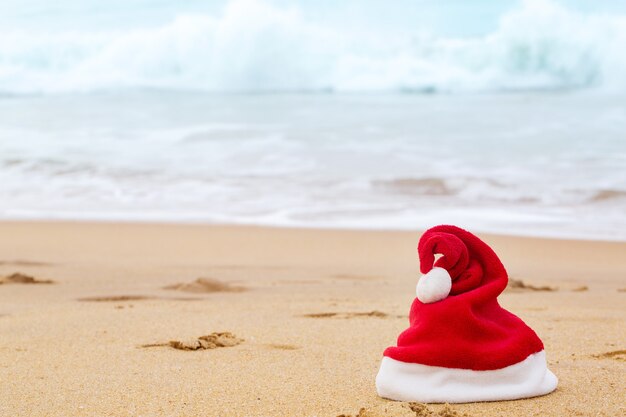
pixel 416 186
pixel 254 46
pixel 468 190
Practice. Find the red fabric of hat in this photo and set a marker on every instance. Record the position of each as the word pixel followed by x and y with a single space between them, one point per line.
pixel 468 329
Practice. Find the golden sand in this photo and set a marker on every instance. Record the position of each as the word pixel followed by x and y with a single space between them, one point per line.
pixel 319 308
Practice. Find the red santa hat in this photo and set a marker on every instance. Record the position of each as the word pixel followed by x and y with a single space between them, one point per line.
pixel 461 346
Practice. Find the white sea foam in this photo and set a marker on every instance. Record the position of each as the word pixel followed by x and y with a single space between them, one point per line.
pixel 128 121
pixel 253 46
pixel 535 163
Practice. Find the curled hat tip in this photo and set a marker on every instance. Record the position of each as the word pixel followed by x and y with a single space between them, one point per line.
pixel 470 262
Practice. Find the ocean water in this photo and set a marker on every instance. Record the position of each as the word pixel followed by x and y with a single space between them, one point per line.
pixel 269 46
pixel 505 118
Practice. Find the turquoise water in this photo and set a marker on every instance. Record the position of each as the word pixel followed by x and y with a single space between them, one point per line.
pixel 268 46
pixel 498 116
pixel 533 163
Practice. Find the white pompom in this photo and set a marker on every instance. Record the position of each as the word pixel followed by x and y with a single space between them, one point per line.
pixel 434 286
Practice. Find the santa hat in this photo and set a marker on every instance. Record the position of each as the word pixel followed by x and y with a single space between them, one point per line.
pixel 461 346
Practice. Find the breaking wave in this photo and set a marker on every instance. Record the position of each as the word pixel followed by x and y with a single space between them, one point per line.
pixel 252 46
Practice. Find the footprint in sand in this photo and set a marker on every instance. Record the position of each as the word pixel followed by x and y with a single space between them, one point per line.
pixel 413 410
pixel 283 347
pixel 122 298
pixel 23 262
pixel 517 285
pixel 422 410
pixel 374 313
pixel 210 341
pixel 618 355
pixel 19 278
pixel 204 285
pixel 117 298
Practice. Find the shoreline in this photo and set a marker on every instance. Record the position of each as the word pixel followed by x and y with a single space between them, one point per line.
pixel 127 325
pixel 235 225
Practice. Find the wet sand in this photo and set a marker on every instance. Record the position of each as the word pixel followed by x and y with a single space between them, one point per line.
pixel 272 322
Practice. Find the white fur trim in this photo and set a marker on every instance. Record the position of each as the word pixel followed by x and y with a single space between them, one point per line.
pixel 434 286
pixel 403 381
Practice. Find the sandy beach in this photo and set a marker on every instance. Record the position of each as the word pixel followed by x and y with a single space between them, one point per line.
pixel 213 208
pixel 309 313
